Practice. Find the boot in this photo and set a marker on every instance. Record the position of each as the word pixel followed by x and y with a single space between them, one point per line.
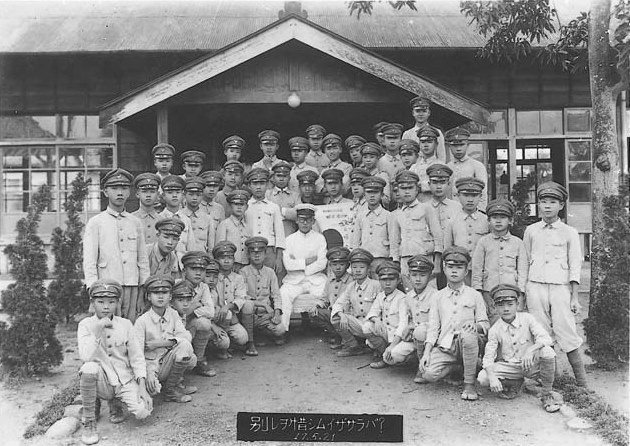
pixel 575 359
pixel 116 411
pixel 89 434
pixel 172 391
pixel 203 369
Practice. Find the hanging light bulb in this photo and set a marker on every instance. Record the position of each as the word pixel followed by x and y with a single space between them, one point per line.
pixel 294 100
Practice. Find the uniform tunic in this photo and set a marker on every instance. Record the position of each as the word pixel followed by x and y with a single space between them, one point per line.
pixel 466 230
pixel 286 199
pixel 392 311
pixel 420 168
pixel 294 184
pixel 418 307
pixel 203 227
pixel 446 210
pixel 215 210
pixel 318 160
pixel 345 168
pixel 203 302
pixel 390 164
pixel 164 265
pixel 357 298
pixel 499 259
pixel 264 218
pixel 269 166
pixel 440 151
pixel 334 287
pixel 236 231
pixel 377 232
pixel 148 219
pixel 419 231
pixel 470 167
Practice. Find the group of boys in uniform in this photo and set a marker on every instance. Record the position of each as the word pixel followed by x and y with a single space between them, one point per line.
pixel 215 261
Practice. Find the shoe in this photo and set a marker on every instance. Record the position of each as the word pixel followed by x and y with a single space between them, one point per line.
pixel 419 379
pixel 549 403
pixel 89 434
pixel 469 393
pixel 350 351
pixel 379 364
pixel 251 349
pixel 186 390
pixel 176 395
pixel 204 370
pixel 116 411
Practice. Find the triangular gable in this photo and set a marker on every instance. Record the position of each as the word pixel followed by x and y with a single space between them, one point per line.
pixel 274 35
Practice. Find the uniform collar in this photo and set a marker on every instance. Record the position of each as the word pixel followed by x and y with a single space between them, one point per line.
pixel 377 211
pixel 391 157
pixel 255 201
pixel 501 237
pixel 413 204
pixel 344 279
pixel 463 160
pixel 144 214
pixel 428 160
pixel 113 213
pixel 474 215
pixel 156 251
pixel 516 323
pixel 335 200
pixel 156 317
pixel 237 221
pixel 276 191
pixel 554 225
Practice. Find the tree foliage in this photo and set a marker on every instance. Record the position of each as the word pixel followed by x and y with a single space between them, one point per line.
pixel 28 343
pixel 67 290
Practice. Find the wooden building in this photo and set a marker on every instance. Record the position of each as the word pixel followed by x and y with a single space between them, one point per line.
pixel 88 87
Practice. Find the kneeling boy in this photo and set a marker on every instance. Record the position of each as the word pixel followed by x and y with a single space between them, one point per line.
pixel 114 368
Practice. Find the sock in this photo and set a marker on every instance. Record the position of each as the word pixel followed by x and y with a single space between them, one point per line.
pixel 575 359
pixel 87 387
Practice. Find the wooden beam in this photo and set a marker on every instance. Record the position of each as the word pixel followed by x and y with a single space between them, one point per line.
pixel 512 148
pixel 162 124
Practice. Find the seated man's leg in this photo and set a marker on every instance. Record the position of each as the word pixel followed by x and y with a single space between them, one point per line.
pixel 419 337
pixel 129 394
pixel 201 330
pixel 376 336
pixel 322 320
pixel 288 293
pixel 171 372
pixel 440 365
pixel 350 345
pixel 468 351
pixel 262 322
pixel 220 340
pixel 402 352
pixel 246 316
pixel 92 385
pixel 237 334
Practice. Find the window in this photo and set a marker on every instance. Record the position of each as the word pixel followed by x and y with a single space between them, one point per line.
pixel 579 170
pixel 539 122
pixel 497 125
pixel 578 120
pixel 534 164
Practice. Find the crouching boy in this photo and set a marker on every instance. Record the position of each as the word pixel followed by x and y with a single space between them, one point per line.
pixel 457 324
pixel 167 348
pixel 113 368
pixel 506 362
pixel 387 320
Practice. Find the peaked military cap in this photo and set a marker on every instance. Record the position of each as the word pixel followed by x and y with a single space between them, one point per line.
pixel 373 183
pixel 171 226
pixel 223 248
pixel 298 142
pixel 117 177
pixel 338 253
pixel 331 139
pixel 193 156
pixel 354 140
pixel 371 148
pixel 420 263
pixel 158 283
pixel 257 174
pixel 553 190
pixel 282 167
pixel 238 196
pixel 315 130
pixel 332 175
pixel 269 135
pixel 212 177
pixel 163 150
pixel 106 288
pixel 233 142
pixel 173 182
pixel 183 290
pixel 470 184
pixel 505 292
pixel 500 206
pixel 457 136
pixel 307 177
pixel 439 170
pixel 358 174
pixel 456 255
pixel 233 166
pixel 361 255
pixel 256 243
pixel 428 133
pixel 378 127
pixel 388 269
pixel 393 129
pixel 147 180
pixel 306 209
pixel 407 176
pixel 194 184
pixel 419 102
pixel 195 259
pixel 407 145
pixel 212 266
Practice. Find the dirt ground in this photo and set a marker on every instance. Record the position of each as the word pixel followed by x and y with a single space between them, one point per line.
pixel 306 376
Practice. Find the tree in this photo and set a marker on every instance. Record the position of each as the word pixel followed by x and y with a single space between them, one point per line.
pixel 67 290
pixel 600 43
pixel 28 343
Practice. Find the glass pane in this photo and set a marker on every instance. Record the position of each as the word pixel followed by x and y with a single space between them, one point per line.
pixel 502 154
pixel 580 171
pixel 519 154
pixel 43 158
pixel 95 200
pixel 72 127
pixel 551 122
pixel 580 192
pixel 100 157
pixel 14 196
pixel 49 178
pixel 93 130
pixel 67 177
pixel 578 120
pixel 15 157
pixel 531 154
pixel 579 150
pixel 475 151
pixel 71 157
pixel 496 124
pixel 544 153
pixel 27 127
pixel 527 171
pixel 527 122
pixel 545 172
pixel 502 181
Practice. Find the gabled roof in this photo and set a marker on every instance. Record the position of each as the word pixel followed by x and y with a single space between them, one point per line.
pixel 289 28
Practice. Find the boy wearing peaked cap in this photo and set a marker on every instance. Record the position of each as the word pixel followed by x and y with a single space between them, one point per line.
pixel 409 151
pixel 371 152
pixel 163 155
pixel 269 145
pixel 353 304
pixel 333 146
pixel 419 302
pixel 203 225
pixel 113 362
pixel 233 179
pixel 234 229
pixel 421 111
pixel 263 295
pixel 499 257
pixel 505 362
pixel 316 157
pixel 428 141
pixel 213 182
pixel 387 321
pixel 173 188
pixel 390 162
pixel 162 257
pixel 378 133
pixel 353 145
pixel 114 246
pixel 192 163
pixel 462 164
pixel 555 262
pixel 232 147
pixel 167 348
pixel 333 186
pixel 457 326
pixel 283 196
pixel 299 148
pixel 147 191
pixel 308 185
pixel 357 175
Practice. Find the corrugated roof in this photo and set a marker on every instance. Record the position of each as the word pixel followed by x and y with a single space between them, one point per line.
pixel 57 27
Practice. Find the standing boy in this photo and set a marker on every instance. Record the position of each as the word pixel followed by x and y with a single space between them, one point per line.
pixel 163 260
pixel 315 157
pixel 390 162
pixel 505 362
pixel 163 159
pixel 332 145
pixel 203 226
pixel 232 147
pixel 333 185
pixel 192 163
pixel 167 348
pixel 457 323
pixel 555 263
pixel 233 176
pixel 147 185
pixel 173 187
pixel 213 182
pixel 113 367
pixel 409 151
pixel 299 147
pixel 427 138
pixel 307 181
pixel 499 257
pixel 461 163
pixel 269 145
pixel 283 196
pixel 353 145
pixel 114 246
pixel 234 229
pixel 370 153
pixel 421 111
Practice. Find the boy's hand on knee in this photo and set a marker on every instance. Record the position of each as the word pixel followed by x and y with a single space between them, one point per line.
pixel 528 361
pixel 144 395
pixel 153 384
pixel 495 384
pixel 387 354
pixel 343 322
pixel 469 328
pixel 424 361
pixel 277 317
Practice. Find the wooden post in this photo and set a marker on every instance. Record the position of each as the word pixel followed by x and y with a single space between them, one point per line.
pixel 162 124
pixel 512 148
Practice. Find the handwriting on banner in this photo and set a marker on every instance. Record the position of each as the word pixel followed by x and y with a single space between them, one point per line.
pixel 339 216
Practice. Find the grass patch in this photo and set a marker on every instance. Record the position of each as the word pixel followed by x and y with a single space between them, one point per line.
pixel 608 422
pixel 53 410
